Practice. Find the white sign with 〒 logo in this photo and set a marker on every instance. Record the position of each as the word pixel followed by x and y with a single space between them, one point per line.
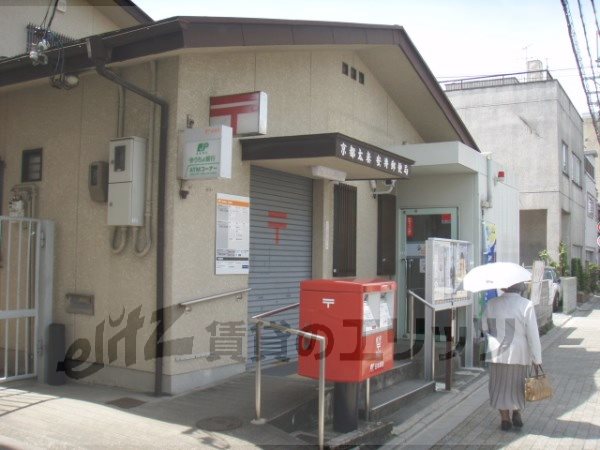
pixel 205 153
pixel 329 302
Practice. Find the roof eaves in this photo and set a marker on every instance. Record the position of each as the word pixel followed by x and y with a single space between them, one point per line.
pixel 134 11
pixel 195 32
pixel 436 90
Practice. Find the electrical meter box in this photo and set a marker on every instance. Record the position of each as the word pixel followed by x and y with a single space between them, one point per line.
pixel 357 318
pixel 126 178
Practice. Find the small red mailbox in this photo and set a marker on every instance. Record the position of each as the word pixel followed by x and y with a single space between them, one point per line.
pixel 357 318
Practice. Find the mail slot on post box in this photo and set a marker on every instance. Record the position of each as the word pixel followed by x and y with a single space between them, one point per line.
pixel 357 318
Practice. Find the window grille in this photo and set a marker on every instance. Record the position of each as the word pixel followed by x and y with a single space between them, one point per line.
pixel 344 230
pixel 31 165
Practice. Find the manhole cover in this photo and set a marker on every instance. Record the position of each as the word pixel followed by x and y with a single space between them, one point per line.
pixel 223 423
pixel 126 402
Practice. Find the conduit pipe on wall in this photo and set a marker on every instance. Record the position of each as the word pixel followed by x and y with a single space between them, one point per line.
pixel 100 57
pixel 119 233
pixel 149 177
pixel 490 181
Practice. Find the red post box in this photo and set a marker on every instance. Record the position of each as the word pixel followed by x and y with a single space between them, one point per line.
pixel 357 318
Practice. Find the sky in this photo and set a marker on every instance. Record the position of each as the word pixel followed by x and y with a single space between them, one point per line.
pixel 456 38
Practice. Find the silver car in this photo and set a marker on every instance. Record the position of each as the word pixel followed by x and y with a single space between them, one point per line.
pixel 555 287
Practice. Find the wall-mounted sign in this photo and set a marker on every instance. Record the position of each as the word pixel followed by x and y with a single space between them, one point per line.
pixel 370 156
pixel 205 153
pixel 232 249
pixel 245 113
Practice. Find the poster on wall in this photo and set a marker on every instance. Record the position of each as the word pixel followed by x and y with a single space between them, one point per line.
pixel 489 256
pixel 232 249
pixel 448 261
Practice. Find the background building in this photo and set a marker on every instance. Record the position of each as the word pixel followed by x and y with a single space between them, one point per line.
pixel 531 127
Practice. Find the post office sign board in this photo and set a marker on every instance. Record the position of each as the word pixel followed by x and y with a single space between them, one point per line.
pixel 205 153
pixel 246 113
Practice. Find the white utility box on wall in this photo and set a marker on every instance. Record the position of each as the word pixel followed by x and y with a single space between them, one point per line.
pixel 126 174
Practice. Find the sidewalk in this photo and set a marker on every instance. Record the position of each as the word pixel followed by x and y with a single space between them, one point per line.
pixel 34 415
pixel 571 419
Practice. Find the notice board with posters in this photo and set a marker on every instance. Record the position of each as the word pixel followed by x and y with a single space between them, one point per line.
pixel 232 252
pixel 447 262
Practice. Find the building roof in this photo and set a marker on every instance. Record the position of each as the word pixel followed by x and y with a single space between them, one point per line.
pixel 386 50
pixel 130 8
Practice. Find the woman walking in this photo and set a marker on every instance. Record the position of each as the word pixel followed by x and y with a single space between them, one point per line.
pixel 513 340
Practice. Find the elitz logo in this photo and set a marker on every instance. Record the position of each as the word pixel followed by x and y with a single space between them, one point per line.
pixel 202 146
pixel 328 302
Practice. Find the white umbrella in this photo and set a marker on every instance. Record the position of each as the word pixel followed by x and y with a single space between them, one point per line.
pixel 498 275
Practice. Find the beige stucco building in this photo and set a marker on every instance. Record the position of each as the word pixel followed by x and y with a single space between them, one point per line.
pixel 330 87
pixel 72 19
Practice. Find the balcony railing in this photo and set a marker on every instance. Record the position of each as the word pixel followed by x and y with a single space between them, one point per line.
pixel 496 80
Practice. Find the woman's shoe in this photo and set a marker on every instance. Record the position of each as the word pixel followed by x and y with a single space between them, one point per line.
pixel 516 419
pixel 505 425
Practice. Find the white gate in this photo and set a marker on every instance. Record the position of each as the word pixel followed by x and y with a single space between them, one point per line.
pixel 23 242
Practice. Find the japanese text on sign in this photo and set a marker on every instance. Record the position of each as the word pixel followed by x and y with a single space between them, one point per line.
pixel 233 235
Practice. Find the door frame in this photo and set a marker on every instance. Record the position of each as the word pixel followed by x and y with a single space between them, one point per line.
pixel 401 307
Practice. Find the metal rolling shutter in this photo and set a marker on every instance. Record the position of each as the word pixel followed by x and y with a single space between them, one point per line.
pixel 280 254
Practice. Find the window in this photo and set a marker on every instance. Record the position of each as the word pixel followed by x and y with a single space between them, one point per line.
pixel 31 165
pixel 344 230
pixel 565 158
pixel 576 170
pixel 591 205
pixel 386 234
pixel 344 68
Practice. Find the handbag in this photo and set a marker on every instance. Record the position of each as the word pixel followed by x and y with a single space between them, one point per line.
pixel 537 387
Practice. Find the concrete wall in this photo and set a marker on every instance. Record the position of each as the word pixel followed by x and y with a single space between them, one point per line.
pixel 307 94
pixel 569 294
pixel 572 195
pixel 451 175
pixel 532 227
pixel 524 126
pixel 79 20
pixel 590 142
pixel 591 212
pixel 74 128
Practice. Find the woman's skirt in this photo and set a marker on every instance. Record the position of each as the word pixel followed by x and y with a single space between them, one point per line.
pixel 507 386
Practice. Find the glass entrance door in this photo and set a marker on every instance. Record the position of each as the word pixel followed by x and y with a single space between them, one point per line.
pixel 416 226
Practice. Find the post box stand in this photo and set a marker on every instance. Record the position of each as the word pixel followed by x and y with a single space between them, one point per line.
pixel 357 317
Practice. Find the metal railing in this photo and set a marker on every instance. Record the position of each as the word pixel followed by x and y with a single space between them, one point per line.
pixel 187 304
pixel 496 80
pixel 322 340
pixel 429 334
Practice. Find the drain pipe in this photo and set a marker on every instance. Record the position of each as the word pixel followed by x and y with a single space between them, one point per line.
pixel 100 56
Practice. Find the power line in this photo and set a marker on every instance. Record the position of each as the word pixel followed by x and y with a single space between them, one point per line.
pixel 584 79
pixel 587 44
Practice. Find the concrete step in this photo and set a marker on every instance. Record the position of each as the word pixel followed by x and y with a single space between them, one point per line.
pixel 387 401
pixel 305 415
pixel 370 434
pixel 402 370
